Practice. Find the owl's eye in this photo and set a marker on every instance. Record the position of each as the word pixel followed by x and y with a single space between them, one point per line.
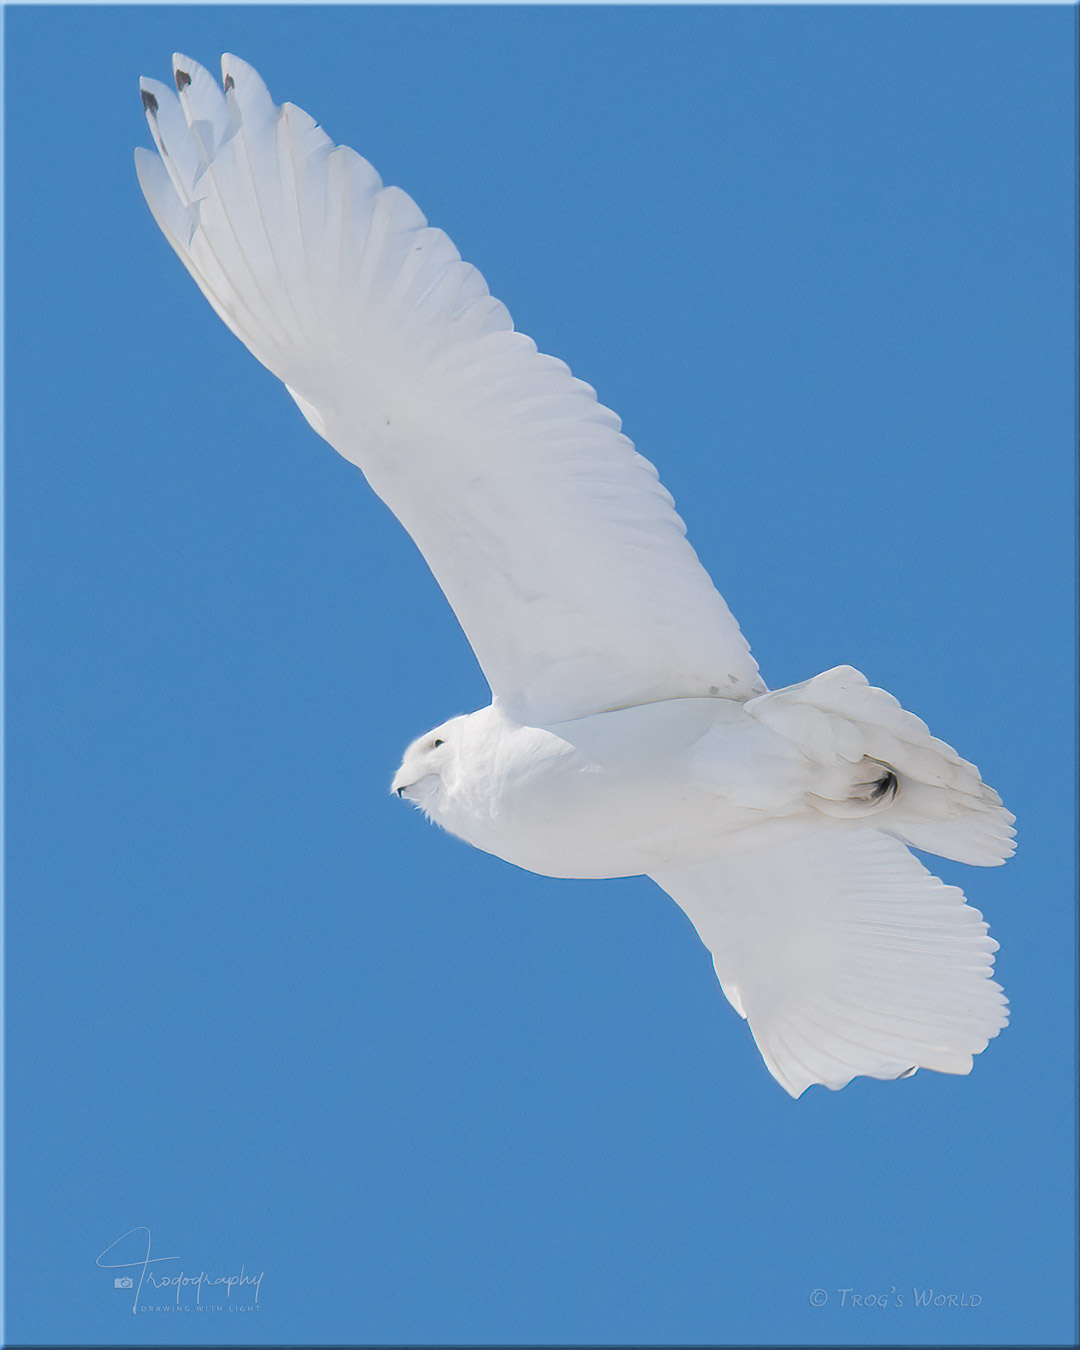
pixel 435 744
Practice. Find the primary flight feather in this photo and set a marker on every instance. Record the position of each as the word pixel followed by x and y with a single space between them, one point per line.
pixel 629 730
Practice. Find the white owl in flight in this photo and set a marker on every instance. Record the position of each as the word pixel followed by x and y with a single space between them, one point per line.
pixel 629 731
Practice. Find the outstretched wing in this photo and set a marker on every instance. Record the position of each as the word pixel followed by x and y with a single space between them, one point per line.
pixel 553 540
pixel 846 956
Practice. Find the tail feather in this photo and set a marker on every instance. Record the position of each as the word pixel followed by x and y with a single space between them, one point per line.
pixel 857 735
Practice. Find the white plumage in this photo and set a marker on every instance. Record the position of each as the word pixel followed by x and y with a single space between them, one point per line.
pixel 552 538
pixel 846 956
pixel 630 731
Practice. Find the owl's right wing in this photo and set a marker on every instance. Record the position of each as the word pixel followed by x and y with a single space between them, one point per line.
pixel 553 540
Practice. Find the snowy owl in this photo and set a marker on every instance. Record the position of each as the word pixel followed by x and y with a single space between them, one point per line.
pixel 629 731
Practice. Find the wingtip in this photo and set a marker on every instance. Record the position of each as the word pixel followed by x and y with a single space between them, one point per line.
pixel 229 64
pixel 154 93
pixel 188 72
pixel 235 71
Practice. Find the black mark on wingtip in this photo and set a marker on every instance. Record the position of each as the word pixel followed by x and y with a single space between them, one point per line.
pixel 183 79
pixel 230 83
pixel 149 102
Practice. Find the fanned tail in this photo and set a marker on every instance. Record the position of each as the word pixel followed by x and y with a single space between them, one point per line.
pixel 873 758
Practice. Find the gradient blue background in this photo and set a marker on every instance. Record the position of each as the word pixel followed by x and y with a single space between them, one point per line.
pixel 821 262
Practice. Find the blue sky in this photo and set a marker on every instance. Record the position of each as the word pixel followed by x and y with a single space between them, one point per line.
pixel 820 261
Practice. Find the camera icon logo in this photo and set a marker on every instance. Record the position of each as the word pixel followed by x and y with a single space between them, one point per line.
pixel 123 1282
